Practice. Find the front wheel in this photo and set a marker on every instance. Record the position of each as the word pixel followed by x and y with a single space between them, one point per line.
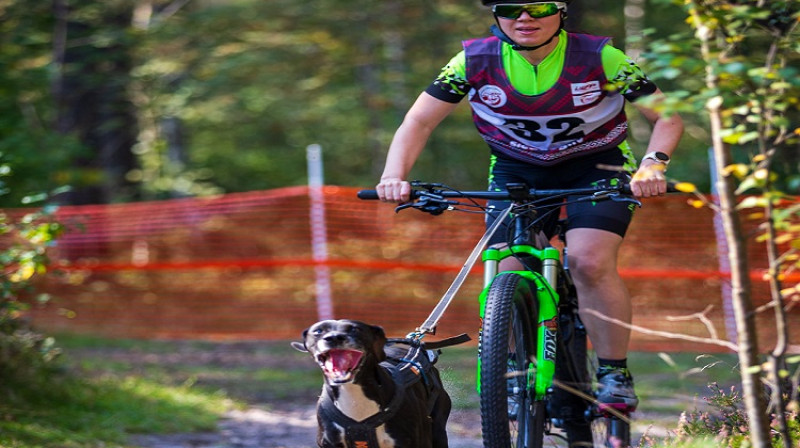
pixel 510 416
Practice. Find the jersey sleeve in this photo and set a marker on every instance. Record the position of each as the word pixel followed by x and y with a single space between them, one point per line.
pixel 625 75
pixel 451 85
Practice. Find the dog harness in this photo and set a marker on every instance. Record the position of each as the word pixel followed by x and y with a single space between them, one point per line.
pixel 416 365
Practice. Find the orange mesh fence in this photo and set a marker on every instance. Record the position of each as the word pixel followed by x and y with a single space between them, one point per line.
pixel 241 266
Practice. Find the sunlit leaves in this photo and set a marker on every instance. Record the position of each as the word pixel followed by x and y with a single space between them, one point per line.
pixel 685 187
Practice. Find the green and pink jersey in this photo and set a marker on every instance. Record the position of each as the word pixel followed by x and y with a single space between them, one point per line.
pixel 572 104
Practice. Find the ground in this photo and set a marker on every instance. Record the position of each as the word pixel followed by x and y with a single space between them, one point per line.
pixel 283 415
pixel 292 427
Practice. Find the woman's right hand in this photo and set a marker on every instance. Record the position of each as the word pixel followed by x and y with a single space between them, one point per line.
pixel 393 189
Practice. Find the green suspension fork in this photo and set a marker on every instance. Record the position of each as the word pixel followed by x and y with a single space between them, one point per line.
pixel 543 367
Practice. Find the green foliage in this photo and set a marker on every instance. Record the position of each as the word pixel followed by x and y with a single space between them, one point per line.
pixel 746 81
pixel 725 422
pixel 28 140
pixel 754 68
pixel 250 84
pixel 26 358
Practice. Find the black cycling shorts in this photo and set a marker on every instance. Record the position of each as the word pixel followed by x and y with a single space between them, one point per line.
pixel 575 173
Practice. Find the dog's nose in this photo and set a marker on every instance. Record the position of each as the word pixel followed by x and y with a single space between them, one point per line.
pixel 334 337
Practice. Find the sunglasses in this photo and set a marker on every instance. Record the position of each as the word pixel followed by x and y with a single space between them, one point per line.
pixel 535 10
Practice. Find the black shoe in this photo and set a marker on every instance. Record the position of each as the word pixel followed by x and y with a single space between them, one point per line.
pixel 615 390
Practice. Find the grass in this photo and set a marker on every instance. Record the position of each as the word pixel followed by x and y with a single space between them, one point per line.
pixel 121 387
pixel 101 404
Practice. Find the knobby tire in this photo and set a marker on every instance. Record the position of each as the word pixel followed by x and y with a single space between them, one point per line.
pixel 508 344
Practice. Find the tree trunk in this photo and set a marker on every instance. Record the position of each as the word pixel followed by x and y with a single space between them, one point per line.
pixel 740 286
pixel 744 312
pixel 90 91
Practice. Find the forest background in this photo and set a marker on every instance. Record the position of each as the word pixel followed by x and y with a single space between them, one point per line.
pixel 126 100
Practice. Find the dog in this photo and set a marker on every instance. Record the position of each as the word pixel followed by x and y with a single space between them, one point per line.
pixel 378 393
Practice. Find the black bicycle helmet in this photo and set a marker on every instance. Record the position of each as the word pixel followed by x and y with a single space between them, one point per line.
pixel 495 29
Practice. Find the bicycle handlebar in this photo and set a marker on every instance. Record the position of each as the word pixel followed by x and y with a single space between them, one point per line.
pixel 423 189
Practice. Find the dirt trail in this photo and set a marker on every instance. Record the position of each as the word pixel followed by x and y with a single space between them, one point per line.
pixel 258 427
pixel 295 427
pixel 272 422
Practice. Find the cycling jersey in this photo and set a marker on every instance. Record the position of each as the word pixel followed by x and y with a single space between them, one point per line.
pixel 575 117
pixel 524 111
pixel 624 74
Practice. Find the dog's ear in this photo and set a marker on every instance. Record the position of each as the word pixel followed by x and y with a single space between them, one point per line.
pixel 379 341
pixel 301 346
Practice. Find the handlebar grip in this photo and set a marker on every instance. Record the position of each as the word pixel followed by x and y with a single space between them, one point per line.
pixel 671 187
pixel 367 194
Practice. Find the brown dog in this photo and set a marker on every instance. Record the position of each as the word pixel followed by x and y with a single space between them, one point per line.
pixel 375 395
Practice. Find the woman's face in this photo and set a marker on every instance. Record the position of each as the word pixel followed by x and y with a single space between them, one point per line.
pixel 528 31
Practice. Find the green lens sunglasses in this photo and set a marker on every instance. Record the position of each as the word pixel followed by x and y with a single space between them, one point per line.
pixel 535 10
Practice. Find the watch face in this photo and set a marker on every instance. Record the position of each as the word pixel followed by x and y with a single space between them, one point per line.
pixel 661 156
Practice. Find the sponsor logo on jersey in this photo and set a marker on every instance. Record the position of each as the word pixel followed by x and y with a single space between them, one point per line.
pixel 492 96
pixel 585 93
pixel 579 88
pixel 583 100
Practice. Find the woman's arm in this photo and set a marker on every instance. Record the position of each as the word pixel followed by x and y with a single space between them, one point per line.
pixel 649 179
pixel 409 140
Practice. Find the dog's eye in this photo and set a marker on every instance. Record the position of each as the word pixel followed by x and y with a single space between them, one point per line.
pixel 317 331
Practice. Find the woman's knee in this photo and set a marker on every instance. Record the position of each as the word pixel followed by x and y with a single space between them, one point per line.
pixel 591 268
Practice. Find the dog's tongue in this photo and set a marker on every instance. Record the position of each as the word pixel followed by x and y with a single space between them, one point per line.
pixel 340 363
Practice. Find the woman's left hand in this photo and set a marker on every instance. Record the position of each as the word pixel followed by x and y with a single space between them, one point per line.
pixel 649 180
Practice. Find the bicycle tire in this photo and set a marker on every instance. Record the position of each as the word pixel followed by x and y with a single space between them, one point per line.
pixel 611 432
pixel 509 336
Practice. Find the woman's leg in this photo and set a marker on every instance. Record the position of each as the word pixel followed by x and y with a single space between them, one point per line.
pixel 593 263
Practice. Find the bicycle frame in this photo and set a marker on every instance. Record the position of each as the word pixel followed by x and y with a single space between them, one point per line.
pixel 549 286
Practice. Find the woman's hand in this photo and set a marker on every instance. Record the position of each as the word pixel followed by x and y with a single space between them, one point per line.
pixel 649 180
pixel 393 189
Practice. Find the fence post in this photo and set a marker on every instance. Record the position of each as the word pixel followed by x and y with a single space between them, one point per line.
pixel 319 232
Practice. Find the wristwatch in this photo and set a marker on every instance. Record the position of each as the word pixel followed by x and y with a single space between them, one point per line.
pixel 657 156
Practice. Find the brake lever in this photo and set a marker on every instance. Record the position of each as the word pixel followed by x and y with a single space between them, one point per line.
pixel 618 197
pixel 612 195
pixel 428 203
pixel 401 207
pixel 433 205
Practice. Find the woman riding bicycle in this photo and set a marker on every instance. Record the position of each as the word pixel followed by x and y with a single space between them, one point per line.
pixel 550 105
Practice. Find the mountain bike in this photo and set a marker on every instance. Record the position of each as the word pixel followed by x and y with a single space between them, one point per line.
pixel 533 371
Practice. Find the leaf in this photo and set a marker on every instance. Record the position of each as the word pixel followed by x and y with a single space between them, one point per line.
pixel 685 187
pixel 696 203
pixel 752 202
pixel 747 184
pixel 739 170
pixel 749 136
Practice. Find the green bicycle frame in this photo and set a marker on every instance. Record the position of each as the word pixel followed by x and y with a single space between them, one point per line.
pixel 545 363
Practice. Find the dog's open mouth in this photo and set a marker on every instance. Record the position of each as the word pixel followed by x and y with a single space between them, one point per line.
pixel 340 365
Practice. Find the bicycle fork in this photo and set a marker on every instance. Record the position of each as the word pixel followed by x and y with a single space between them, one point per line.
pixel 543 367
